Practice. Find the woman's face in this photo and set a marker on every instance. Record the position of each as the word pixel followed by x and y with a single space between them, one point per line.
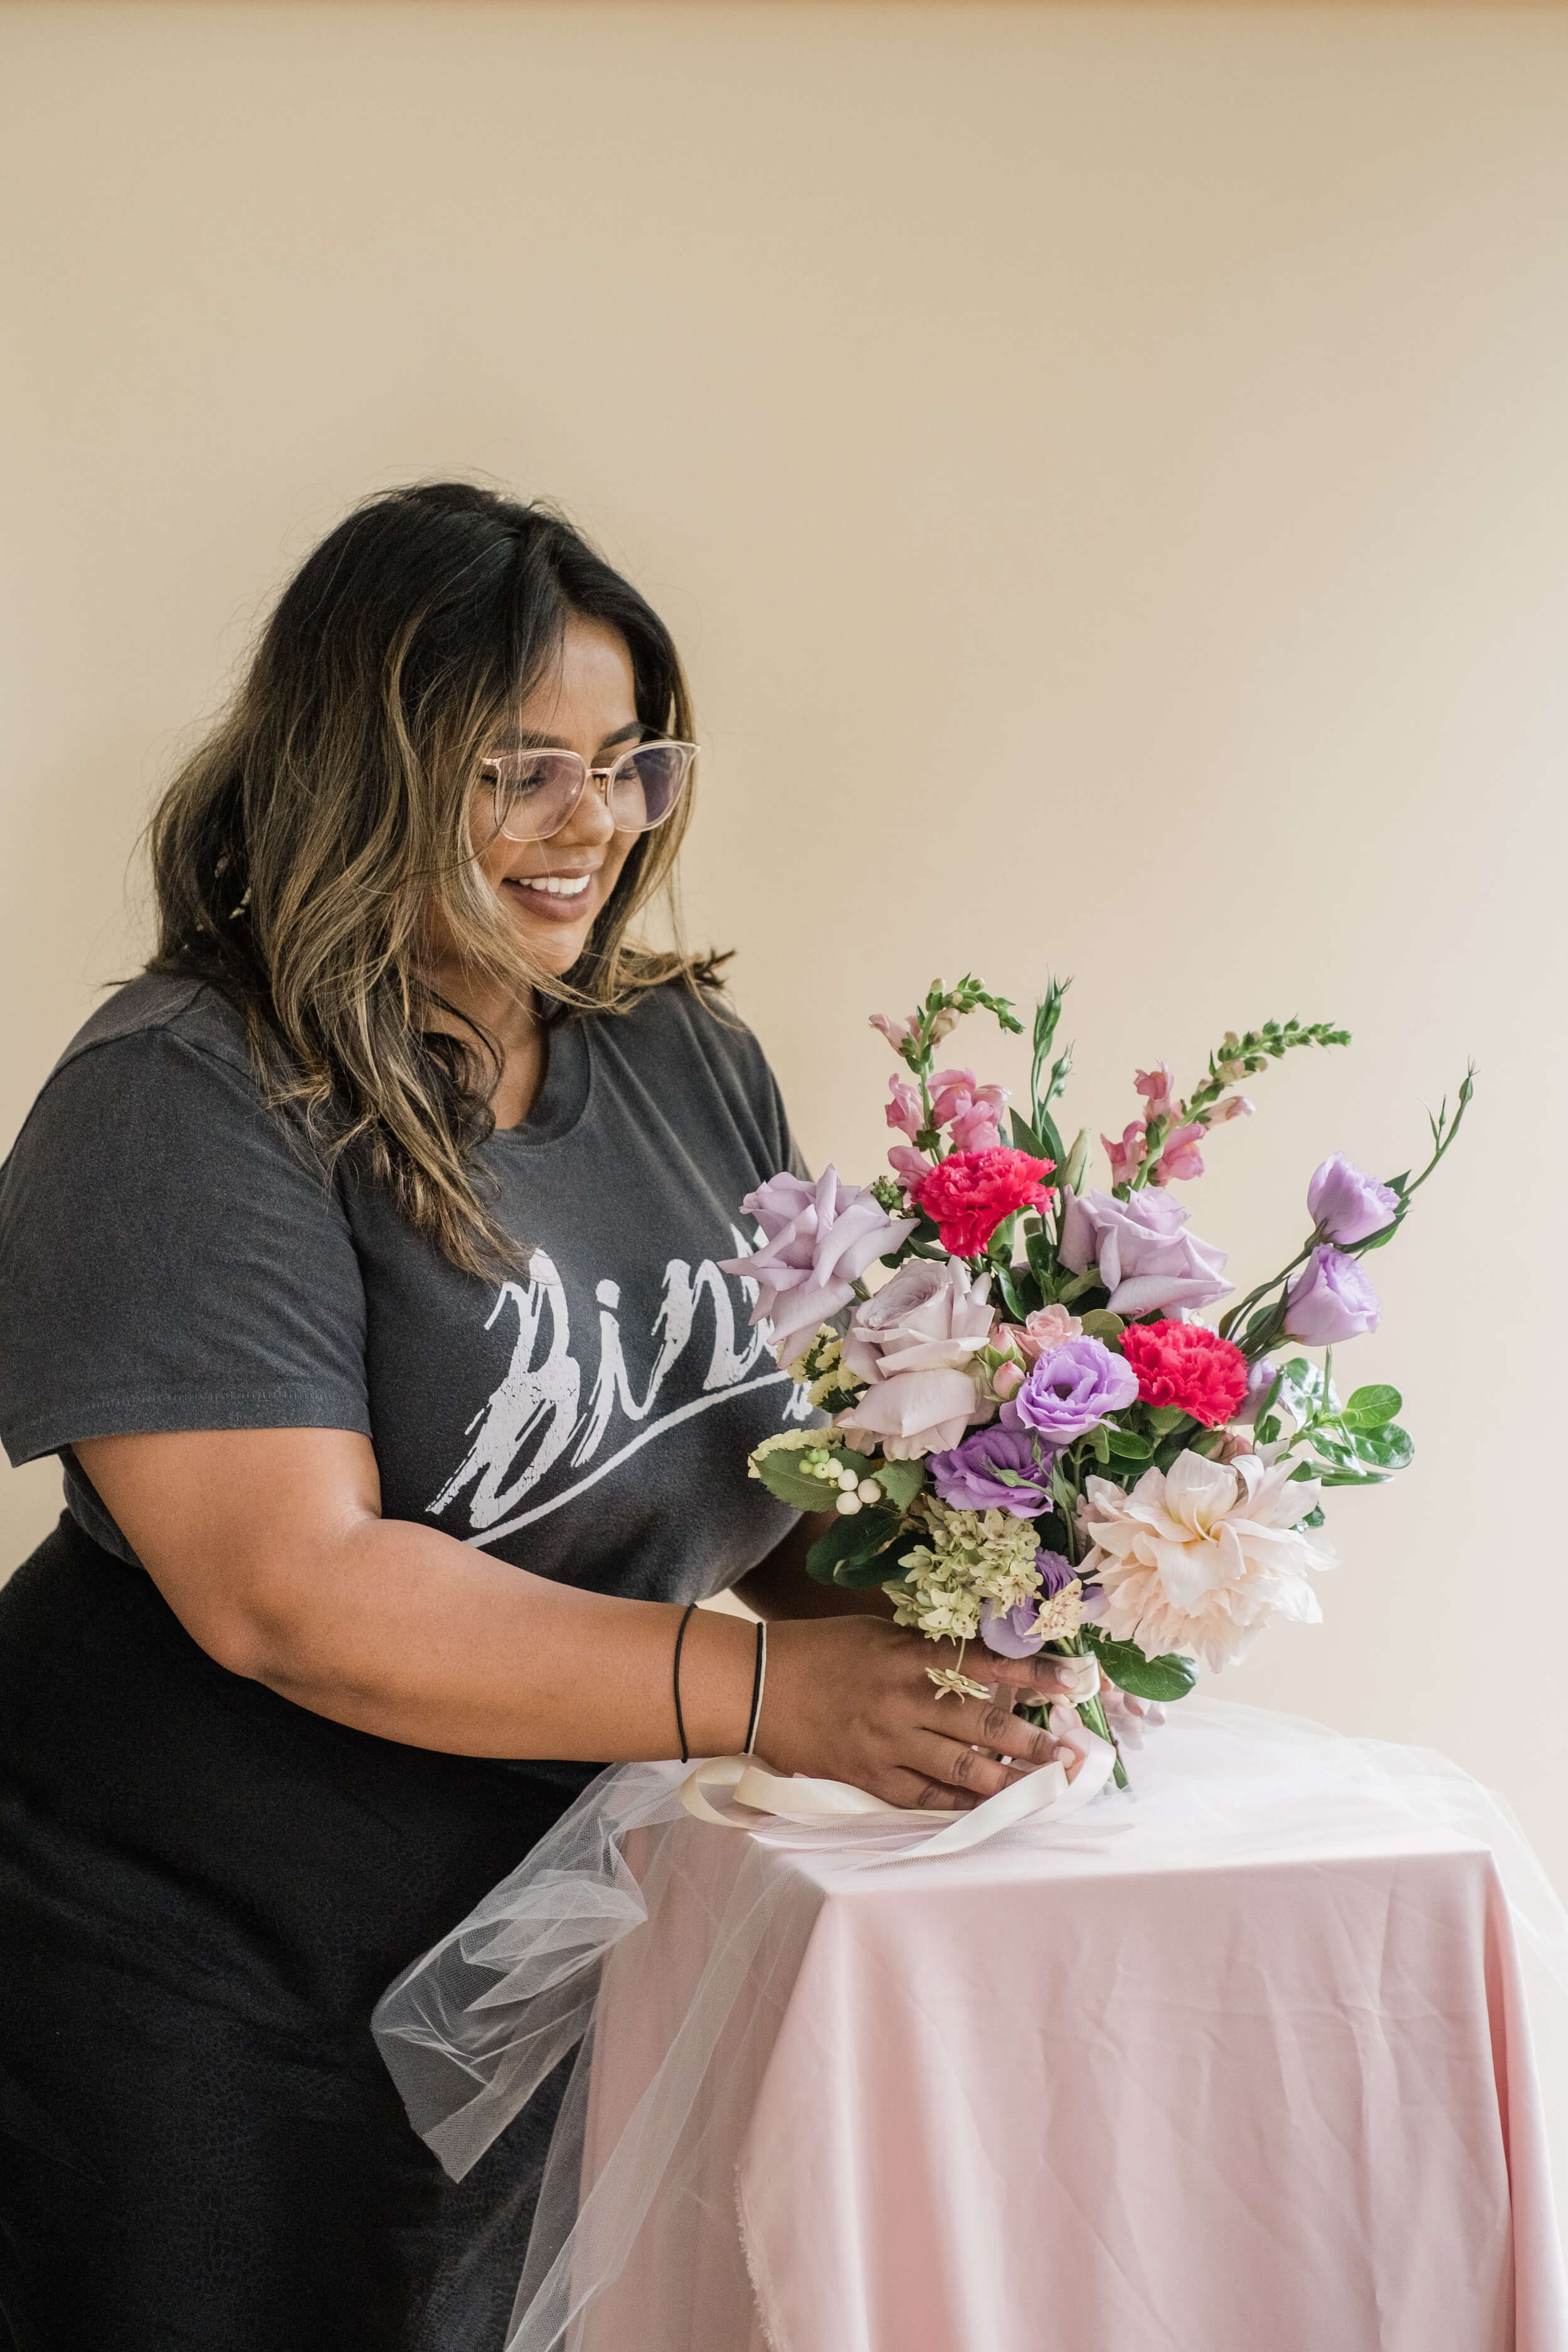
pixel 552 891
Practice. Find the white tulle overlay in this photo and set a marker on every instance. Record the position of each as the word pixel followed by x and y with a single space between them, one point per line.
pixel 560 1951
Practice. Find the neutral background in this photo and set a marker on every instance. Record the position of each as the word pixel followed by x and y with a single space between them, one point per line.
pixel 1106 467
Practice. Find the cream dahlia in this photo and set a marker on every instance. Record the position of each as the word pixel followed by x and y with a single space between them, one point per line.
pixel 1200 1557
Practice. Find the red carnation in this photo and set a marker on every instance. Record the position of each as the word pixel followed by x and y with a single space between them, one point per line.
pixel 1187 1365
pixel 969 1195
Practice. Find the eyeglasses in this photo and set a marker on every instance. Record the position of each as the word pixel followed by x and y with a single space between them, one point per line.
pixel 533 793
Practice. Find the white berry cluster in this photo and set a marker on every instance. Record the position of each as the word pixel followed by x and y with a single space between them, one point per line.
pixel 854 1491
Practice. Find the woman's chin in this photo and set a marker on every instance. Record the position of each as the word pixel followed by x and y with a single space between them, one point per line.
pixel 550 944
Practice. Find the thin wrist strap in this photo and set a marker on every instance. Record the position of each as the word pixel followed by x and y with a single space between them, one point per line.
pixel 759 1680
pixel 679 1718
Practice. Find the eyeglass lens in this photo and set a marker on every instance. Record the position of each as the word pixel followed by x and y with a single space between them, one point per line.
pixel 536 792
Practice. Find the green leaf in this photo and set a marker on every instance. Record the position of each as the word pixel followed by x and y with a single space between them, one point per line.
pixel 782 1475
pixel 1101 1325
pixel 1371 1408
pixel 900 1481
pixel 1164 1418
pixel 1099 1441
pixel 1009 1294
pixel 1316 1517
pixel 1391 1448
pixel 1124 1664
pixel 1127 1446
pixel 1025 1138
pixel 1042 1257
pixel 850 1544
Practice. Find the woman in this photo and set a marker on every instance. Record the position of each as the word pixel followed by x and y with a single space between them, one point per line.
pixel 359 1260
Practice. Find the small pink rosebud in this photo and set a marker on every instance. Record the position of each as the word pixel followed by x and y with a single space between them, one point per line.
pixel 1006 1381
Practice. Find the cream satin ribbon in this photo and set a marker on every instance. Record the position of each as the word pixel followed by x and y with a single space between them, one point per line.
pixel 1044 1795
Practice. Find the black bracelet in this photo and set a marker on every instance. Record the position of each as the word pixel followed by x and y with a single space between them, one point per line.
pixel 679 1718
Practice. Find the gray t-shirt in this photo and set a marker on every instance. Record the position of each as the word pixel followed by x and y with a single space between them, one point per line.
pixel 170 1258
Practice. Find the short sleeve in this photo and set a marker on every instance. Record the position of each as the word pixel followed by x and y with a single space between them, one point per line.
pixel 170 1258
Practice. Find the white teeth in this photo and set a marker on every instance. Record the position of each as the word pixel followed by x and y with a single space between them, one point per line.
pixel 558 885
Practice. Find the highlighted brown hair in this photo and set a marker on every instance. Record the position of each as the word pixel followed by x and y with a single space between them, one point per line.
pixel 298 852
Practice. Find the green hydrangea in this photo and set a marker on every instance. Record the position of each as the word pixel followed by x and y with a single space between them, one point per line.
pixel 962 1558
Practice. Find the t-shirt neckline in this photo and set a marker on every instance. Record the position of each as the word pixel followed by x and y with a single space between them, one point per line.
pixel 563 1097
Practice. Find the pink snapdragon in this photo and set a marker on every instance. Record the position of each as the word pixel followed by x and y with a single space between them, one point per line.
pixel 897 1032
pixel 1154 1085
pixel 1181 1160
pixel 1127 1156
pixel 903 1111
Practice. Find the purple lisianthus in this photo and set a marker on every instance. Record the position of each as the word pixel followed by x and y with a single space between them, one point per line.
pixel 818 1239
pixel 1259 1381
pixel 1015 1633
pixel 966 1476
pixel 1071 1390
pixel 1147 1260
pixel 1346 1204
pixel 1330 1299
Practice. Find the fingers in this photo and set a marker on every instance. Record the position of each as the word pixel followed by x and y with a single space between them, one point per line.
pixel 991 1723
pixel 956 1766
pixel 1045 1671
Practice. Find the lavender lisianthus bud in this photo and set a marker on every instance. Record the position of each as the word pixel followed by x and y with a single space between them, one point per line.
pixel 1330 1299
pixel 1346 1204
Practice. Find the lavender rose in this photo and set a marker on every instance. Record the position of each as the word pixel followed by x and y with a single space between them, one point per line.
pixel 1330 1299
pixel 1016 1632
pixel 819 1239
pixel 1071 1389
pixel 1146 1260
pixel 914 1343
pixel 965 1477
pixel 1347 1205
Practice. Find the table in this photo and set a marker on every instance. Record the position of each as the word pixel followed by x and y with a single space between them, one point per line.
pixel 1243 2066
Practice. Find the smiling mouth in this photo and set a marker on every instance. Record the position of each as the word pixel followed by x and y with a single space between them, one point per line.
pixel 553 886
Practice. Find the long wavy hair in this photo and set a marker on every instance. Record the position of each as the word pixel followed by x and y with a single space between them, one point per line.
pixel 300 854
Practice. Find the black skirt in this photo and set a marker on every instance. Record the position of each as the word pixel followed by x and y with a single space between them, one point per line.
pixel 204 1890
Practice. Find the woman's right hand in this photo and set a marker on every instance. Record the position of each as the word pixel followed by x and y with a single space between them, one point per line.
pixel 851 1698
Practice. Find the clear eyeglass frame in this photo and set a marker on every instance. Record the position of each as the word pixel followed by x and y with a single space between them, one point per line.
pixel 563 777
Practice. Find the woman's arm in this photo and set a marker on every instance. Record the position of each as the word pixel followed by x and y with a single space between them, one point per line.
pixel 269 1547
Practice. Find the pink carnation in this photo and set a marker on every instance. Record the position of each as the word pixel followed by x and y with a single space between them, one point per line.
pixel 1188 1366
pixel 968 1196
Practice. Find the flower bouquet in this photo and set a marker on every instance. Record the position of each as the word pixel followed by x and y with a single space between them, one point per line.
pixel 1032 1434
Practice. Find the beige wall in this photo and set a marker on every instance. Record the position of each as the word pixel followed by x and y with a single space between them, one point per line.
pixel 1107 470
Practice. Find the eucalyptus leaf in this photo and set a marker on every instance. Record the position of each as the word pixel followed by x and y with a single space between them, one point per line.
pixel 1124 1664
pixel 1101 1325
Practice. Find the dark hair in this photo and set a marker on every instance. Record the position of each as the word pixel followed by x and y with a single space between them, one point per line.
pixel 297 855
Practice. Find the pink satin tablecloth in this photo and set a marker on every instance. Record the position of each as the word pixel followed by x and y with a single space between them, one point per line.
pixel 1205 2083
